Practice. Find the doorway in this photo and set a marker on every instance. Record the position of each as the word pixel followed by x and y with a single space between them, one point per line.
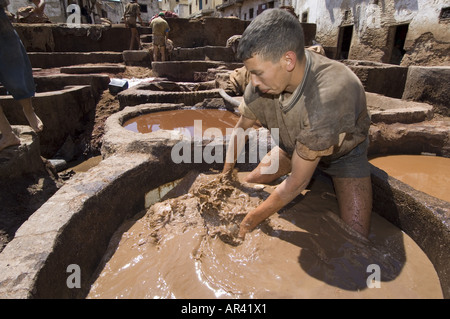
pixel 398 43
pixel 344 42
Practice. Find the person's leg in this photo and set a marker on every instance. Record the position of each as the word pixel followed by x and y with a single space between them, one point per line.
pixel 354 197
pixel 34 121
pixel 275 164
pixel 155 52
pixel 133 38
pixel 163 53
pixel 8 137
pixel 138 40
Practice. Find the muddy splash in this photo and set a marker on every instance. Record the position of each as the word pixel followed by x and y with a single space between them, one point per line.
pixel 186 247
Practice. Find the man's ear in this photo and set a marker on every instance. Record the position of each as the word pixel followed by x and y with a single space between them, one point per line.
pixel 290 59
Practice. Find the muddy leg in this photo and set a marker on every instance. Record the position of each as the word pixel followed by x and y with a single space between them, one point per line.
pixel 355 202
pixel 133 38
pixel 35 122
pixel 8 137
pixel 163 53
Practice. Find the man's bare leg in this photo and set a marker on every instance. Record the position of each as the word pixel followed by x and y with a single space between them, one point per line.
pixel 35 122
pixel 133 38
pixel 355 202
pixel 163 53
pixel 8 137
pixel 263 174
pixel 155 52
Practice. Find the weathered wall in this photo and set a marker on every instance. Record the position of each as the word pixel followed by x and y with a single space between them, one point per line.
pixel 84 38
pixel 53 9
pixel 427 41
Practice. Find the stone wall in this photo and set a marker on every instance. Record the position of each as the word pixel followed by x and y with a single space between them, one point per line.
pixel 184 33
pixel 374 24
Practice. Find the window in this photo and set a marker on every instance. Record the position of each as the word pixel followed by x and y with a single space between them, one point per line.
pixel 305 17
pixel 445 15
pixel 346 15
pixel 250 13
pixel 143 7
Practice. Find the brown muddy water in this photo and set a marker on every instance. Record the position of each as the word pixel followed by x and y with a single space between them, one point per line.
pixel 428 174
pixel 183 121
pixel 185 246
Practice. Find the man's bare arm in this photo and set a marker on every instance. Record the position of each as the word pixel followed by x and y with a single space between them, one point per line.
pixel 291 187
pixel 236 144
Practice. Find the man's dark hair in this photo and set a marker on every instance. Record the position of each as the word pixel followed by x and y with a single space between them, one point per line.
pixel 272 34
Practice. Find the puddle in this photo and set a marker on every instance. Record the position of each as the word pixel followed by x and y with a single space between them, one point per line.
pixel 428 174
pixel 183 121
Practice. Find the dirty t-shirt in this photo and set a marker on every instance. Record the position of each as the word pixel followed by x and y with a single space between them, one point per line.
pixel 159 26
pixel 132 10
pixel 325 116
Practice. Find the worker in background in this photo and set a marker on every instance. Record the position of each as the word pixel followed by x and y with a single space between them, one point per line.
pixel 160 32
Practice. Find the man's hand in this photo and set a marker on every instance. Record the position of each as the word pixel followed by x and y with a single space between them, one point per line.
pixel 291 187
pixel 243 230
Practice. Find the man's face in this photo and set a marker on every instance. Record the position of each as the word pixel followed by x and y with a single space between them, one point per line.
pixel 268 77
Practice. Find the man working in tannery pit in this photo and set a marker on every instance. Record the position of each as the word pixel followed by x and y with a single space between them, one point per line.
pixel 16 76
pixel 160 32
pixel 131 15
pixel 319 107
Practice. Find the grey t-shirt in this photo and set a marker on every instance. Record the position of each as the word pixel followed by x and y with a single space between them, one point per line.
pixel 325 116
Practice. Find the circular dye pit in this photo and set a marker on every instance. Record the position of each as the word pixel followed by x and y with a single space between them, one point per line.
pixel 183 121
pixel 185 247
pixel 428 174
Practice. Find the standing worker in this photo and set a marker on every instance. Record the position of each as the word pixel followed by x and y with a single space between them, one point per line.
pixel 319 107
pixel 160 32
pixel 33 14
pixel 17 77
pixel 131 15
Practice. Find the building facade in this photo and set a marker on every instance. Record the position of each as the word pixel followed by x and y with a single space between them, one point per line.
pixel 388 31
pixel 91 10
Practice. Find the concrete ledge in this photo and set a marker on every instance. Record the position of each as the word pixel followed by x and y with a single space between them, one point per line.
pixel 62 113
pixel 25 158
pixel 55 82
pixel 374 76
pixel 390 110
pixel 137 58
pixel 184 70
pixel 430 85
pixel 424 218
pixel 118 139
pixel 99 68
pixel 59 59
pixel 168 92
pixel 207 53
pixel 398 138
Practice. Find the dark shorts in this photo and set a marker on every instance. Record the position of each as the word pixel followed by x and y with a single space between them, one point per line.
pixel 352 165
pixel 16 74
pixel 131 22
pixel 159 40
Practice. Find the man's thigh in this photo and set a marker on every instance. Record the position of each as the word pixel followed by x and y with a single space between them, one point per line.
pixel 354 197
pixel 274 164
